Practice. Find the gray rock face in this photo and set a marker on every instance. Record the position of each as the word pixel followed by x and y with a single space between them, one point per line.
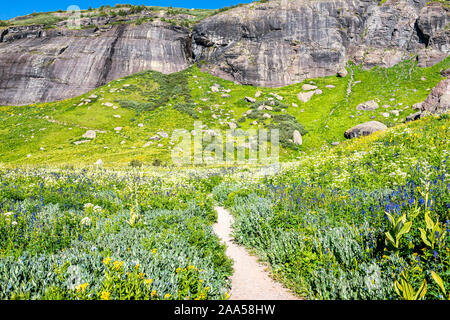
pixel 38 65
pixel 275 43
pixel 364 129
pixel 282 42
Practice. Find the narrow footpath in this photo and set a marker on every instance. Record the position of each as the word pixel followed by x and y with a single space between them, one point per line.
pixel 250 280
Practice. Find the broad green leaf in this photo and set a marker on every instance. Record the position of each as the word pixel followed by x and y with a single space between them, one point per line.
pixel 428 221
pixel 439 281
pixel 423 235
pixel 405 229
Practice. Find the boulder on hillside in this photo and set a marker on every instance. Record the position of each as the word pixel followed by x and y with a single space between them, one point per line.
pixel 307 87
pixel 368 105
pixel 297 137
pixel 364 129
pixel 446 73
pixel 305 96
pixel 414 116
pixel 90 134
pixel 438 101
pixel 342 73
pixel 250 99
pixel 429 57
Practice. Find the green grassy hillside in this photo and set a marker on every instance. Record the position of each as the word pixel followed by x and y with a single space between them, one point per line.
pixel 150 102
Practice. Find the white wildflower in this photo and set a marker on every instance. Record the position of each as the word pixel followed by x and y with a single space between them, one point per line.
pixel 86 221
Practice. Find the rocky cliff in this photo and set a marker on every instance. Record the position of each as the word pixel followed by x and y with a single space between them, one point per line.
pixel 46 65
pixel 272 43
pixel 282 42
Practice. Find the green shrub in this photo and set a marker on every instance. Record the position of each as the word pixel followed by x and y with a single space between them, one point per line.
pixel 135 163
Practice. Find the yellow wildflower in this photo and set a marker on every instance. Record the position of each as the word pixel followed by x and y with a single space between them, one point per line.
pixel 107 260
pixel 105 295
pixel 227 296
pixel 178 270
pixel 118 265
pixel 167 296
pixel 154 293
pixel 148 281
pixel 141 275
pixel 81 287
pixel 154 251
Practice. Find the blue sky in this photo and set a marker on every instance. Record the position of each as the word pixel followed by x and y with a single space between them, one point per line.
pixel 10 10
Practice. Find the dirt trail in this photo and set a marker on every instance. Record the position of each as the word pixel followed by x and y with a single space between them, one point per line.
pixel 250 280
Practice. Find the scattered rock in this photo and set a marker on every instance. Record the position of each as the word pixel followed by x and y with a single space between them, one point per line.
pixel 395 113
pixel 414 116
pixel 385 114
pixel 342 73
pixel 369 105
pixel 81 141
pixel 335 143
pixel 250 99
pixel 258 94
pixel 108 104
pixel 232 125
pixel 90 134
pixel 386 106
pixel 317 91
pixel 446 73
pixel 305 96
pixel 225 95
pixel 330 86
pixel 118 129
pixel 308 87
pixel 163 134
pixel 364 129
pixel 429 57
pixel 116 116
pixel 140 125
pixel 418 105
pixel 297 137
pixel 438 101
pixel 99 162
